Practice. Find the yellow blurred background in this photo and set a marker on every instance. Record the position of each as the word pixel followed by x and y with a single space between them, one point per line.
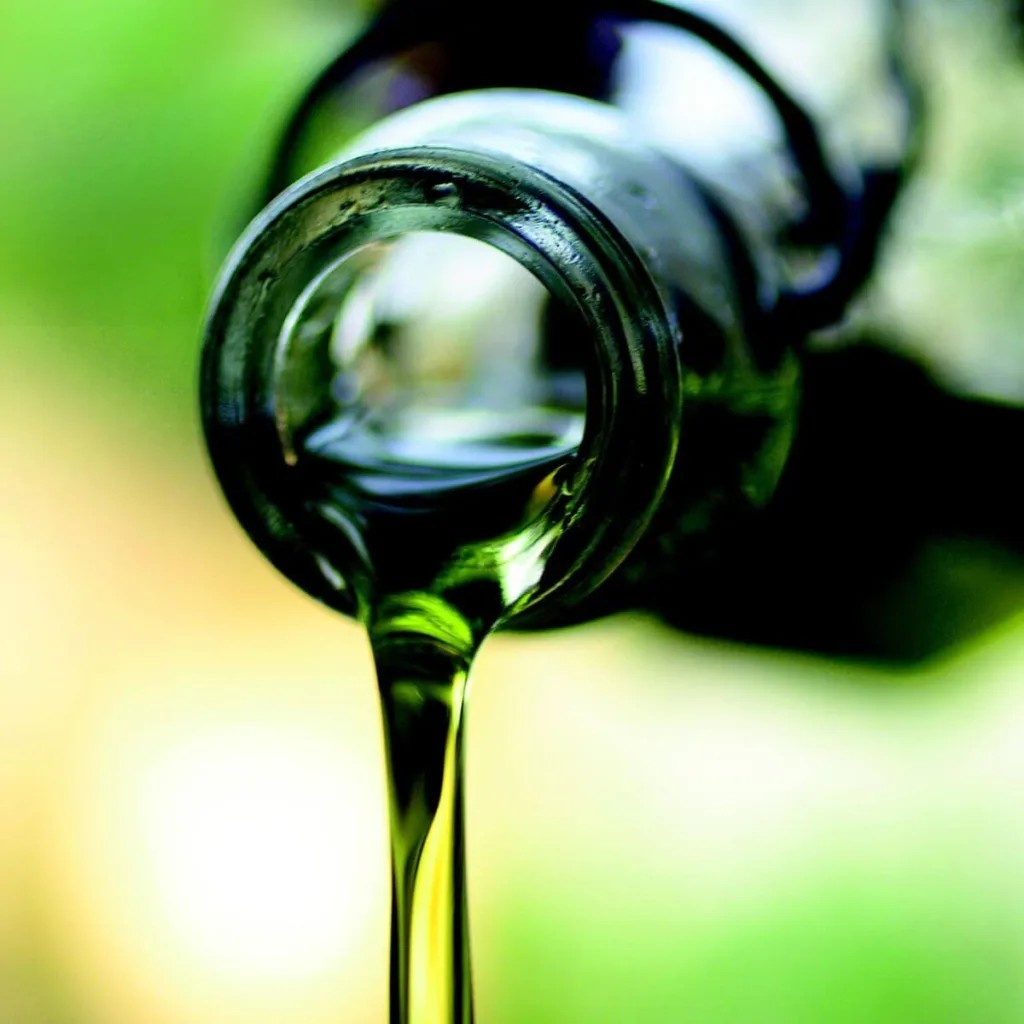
pixel 662 828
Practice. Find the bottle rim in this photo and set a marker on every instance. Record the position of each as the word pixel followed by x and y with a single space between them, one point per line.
pixel 633 375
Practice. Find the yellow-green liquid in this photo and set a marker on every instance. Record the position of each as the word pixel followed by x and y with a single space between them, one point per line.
pixel 442 522
pixel 423 653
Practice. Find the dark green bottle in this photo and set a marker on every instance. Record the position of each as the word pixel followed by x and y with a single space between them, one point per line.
pixel 484 293
pixel 503 360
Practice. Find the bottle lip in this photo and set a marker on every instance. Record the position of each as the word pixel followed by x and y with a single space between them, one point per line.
pixel 633 374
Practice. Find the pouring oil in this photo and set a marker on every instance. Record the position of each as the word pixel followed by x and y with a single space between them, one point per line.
pixel 431 482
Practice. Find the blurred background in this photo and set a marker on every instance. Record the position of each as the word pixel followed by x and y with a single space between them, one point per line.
pixel 662 827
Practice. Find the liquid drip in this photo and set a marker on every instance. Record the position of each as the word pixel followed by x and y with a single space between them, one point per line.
pixel 431 435
pixel 441 519
pixel 423 651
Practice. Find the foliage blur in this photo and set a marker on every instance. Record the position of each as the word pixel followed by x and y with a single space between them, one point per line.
pixel 662 828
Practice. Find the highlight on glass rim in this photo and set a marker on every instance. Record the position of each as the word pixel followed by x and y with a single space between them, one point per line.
pixel 567 564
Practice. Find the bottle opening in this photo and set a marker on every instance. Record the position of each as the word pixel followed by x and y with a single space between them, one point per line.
pixel 428 369
pixel 429 395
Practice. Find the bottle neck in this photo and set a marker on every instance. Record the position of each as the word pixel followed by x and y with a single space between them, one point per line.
pixel 264 376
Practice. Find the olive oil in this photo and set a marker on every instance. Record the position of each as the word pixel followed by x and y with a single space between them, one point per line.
pixel 441 516
pixel 437 500
pixel 427 460
pixel 423 652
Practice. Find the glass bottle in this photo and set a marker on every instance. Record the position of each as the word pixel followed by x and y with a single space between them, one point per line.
pixel 685 419
pixel 511 357
pixel 662 308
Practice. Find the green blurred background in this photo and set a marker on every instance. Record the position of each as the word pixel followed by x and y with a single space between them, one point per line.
pixel 662 828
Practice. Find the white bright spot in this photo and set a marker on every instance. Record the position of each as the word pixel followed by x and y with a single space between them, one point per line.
pixel 259 846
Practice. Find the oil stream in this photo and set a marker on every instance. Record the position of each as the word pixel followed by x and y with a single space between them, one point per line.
pixel 447 511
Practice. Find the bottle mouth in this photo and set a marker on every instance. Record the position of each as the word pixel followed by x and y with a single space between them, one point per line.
pixel 432 320
pixel 427 352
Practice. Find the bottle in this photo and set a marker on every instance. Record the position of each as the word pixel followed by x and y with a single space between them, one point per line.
pixel 508 359
pixel 648 362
